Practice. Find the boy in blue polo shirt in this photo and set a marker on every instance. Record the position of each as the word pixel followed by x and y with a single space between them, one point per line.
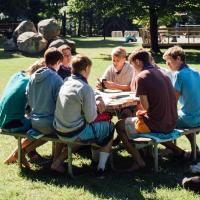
pixel 186 83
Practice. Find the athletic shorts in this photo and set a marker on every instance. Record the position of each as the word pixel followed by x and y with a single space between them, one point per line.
pixel 135 125
pixel 99 133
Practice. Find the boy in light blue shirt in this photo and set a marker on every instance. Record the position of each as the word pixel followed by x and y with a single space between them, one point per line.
pixel 186 83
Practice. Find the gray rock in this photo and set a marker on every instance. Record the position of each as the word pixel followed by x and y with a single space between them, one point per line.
pixel 9 45
pixel 58 42
pixel 49 29
pixel 32 43
pixel 25 26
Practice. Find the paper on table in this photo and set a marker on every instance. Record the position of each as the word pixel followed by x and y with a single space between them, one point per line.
pixel 120 97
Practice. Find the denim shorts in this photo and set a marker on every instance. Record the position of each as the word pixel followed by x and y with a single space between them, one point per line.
pixel 99 132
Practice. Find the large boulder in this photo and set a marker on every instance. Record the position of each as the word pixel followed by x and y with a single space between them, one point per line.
pixel 49 29
pixel 31 43
pixel 58 42
pixel 9 45
pixel 25 26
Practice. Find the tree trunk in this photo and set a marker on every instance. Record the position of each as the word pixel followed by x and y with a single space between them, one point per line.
pixel 104 29
pixel 64 24
pixel 79 24
pixel 90 23
pixel 154 29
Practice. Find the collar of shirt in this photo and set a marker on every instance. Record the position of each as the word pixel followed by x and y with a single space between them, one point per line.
pixel 183 66
pixel 52 68
pixel 81 77
pixel 147 66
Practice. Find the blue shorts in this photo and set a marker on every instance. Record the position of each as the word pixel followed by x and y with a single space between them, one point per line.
pixel 99 132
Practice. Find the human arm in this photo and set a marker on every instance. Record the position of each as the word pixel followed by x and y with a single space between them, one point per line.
pixel 177 96
pixel 115 86
pixel 144 102
pixel 88 103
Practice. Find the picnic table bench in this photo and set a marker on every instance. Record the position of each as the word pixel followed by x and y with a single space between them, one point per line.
pixel 49 138
pixel 150 139
pixel 140 141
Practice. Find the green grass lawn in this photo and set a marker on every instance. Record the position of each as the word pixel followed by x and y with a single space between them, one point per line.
pixel 40 183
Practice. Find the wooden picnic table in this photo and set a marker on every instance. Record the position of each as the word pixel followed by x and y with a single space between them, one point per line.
pixel 116 100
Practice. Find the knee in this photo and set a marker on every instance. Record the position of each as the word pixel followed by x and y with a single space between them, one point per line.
pixel 120 126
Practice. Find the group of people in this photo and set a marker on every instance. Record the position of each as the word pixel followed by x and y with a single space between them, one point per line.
pixel 54 97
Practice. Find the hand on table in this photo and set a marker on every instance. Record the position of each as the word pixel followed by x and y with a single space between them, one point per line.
pixel 99 84
pixel 109 85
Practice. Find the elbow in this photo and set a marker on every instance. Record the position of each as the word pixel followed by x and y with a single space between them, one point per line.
pixel 90 119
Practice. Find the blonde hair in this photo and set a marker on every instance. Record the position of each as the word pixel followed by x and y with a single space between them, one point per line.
pixel 64 47
pixel 35 66
pixel 119 52
pixel 174 52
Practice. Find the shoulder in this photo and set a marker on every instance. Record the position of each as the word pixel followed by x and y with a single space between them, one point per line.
pixel 110 68
pixel 128 68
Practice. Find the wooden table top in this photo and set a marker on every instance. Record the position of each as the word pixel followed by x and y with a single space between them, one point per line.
pixel 116 100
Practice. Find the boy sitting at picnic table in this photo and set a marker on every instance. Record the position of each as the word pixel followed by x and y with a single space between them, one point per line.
pixel 42 91
pixel 65 67
pixel 117 76
pixel 186 83
pixel 75 114
pixel 14 118
pixel 159 112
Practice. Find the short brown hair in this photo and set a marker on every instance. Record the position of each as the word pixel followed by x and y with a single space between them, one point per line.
pixel 174 52
pixel 52 56
pixel 140 54
pixel 80 62
pixel 63 47
pixel 119 52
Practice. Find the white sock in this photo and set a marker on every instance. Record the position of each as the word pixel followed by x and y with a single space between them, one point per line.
pixel 95 155
pixel 103 157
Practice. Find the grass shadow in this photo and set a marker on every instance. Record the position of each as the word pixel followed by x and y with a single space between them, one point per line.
pixel 115 185
pixel 102 43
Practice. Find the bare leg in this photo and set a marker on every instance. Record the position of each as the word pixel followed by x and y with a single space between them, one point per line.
pixel 12 158
pixel 57 150
pixel 123 115
pixel 57 164
pixel 174 148
pixel 190 138
pixel 120 128
pixel 107 148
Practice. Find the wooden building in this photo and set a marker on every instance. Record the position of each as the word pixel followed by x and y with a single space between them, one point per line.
pixel 185 36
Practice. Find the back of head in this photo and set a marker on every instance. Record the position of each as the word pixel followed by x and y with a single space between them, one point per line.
pixel 52 56
pixel 174 52
pixel 119 52
pixel 142 55
pixel 80 63
pixel 35 66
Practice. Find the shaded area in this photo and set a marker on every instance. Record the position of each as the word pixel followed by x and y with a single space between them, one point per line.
pixel 100 43
pixel 115 185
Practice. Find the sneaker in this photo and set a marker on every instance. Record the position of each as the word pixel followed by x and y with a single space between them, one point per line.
pixel 100 174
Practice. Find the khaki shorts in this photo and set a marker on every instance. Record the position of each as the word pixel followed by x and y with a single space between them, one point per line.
pixel 136 125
